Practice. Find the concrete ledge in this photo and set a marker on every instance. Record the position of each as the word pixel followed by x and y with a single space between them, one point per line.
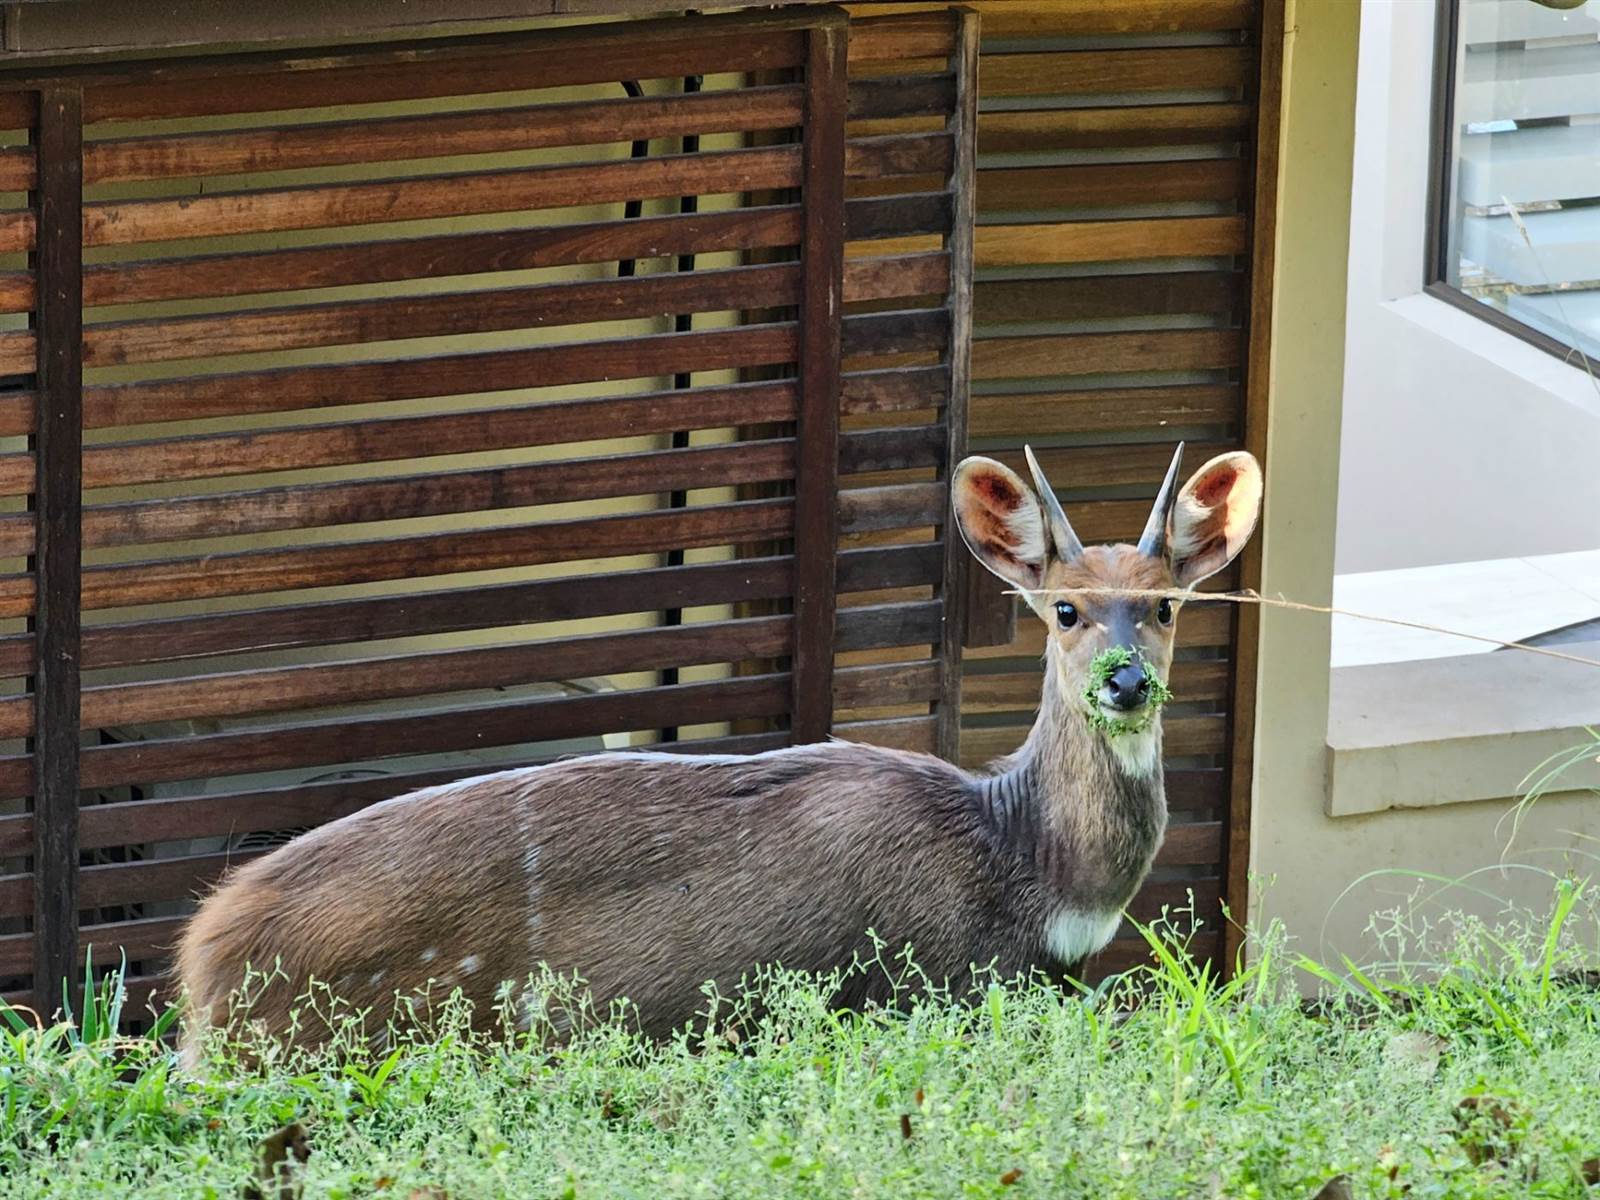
pixel 1452 730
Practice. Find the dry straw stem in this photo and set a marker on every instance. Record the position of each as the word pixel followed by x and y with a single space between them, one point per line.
pixel 1249 596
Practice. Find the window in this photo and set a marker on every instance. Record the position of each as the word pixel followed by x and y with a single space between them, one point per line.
pixel 1516 198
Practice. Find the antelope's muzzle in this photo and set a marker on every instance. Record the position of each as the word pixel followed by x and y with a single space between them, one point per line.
pixel 1128 688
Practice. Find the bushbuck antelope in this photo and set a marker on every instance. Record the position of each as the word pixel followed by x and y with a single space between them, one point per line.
pixel 649 874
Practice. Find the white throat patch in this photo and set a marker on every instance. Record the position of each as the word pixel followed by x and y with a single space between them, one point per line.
pixel 1073 933
pixel 1138 753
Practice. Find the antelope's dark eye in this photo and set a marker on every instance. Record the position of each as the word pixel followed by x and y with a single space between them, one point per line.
pixel 1164 611
pixel 1066 615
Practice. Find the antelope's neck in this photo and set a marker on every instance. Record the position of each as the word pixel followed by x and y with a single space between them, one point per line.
pixel 1087 810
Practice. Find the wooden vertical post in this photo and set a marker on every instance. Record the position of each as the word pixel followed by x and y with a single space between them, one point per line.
pixel 1268 96
pixel 816 537
pixel 958 564
pixel 58 445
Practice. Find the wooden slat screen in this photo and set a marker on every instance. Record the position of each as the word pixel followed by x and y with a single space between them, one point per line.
pixel 905 342
pixel 1112 316
pixel 415 409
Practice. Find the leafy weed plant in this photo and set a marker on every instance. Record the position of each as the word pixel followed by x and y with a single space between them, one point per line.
pixel 1165 1081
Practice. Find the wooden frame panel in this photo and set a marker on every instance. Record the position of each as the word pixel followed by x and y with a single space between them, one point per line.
pixel 221 495
pixel 51 771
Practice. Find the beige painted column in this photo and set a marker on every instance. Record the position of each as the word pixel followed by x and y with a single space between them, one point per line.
pixel 1316 149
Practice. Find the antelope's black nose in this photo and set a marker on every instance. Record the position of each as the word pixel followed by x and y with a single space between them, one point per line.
pixel 1129 687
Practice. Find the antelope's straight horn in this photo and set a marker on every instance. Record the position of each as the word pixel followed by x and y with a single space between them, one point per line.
pixel 1066 541
pixel 1153 543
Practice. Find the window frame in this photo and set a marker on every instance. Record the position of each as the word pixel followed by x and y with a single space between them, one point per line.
pixel 1441 158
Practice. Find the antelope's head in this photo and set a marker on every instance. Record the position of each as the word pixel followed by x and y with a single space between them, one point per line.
pixel 1022 535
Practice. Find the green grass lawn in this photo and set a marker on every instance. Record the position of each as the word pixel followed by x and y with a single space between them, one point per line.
pixel 1198 1089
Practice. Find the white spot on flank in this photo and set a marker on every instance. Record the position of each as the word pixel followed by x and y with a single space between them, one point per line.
pixel 1072 933
pixel 470 964
pixel 375 978
pixel 535 886
pixel 429 954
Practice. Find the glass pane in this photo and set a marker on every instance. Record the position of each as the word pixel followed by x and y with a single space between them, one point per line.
pixel 1523 218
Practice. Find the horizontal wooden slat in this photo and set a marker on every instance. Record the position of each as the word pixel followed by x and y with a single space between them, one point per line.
pixel 467 66
pixel 875 627
pixel 16 291
pixel 895 332
pixel 895 449
pixel 123 222
pixel 1112 466
pixel 1048 130
pixel 885 684
pixel 1106 185
pixel 1096 353
pixel 1102 410
pixel 358 501
pixel 891 216
pixel 900 96
pixel 435 612
pixel 17 478
pixel 119 343
pixel 1198 625
pixel 345 563
pixel 1108 241
pixel 18 353
pixel 152 937
pixel 254 272
pixel 18 109
pixel 1160 293
pixel 360 739
pixel 1096 466
pixel 896 277
pixel 1187 844
pixel 900 733
pixel 239 693
pixel 894 389
pixel 922 36
pixel 18 168
pixel 1076 18
pixel 525 127
pixel 153 340
pixel 210 455
pixel 286 389
pixel 986 692
pixel 899 154
pixel 895 506
pixel 1200 790
pixel 1079 72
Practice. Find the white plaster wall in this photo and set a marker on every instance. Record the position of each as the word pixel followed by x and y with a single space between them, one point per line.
pixel 1459 442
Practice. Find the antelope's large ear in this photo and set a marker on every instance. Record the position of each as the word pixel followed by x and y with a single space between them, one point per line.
pixel 1001 522
pixel 1214 517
